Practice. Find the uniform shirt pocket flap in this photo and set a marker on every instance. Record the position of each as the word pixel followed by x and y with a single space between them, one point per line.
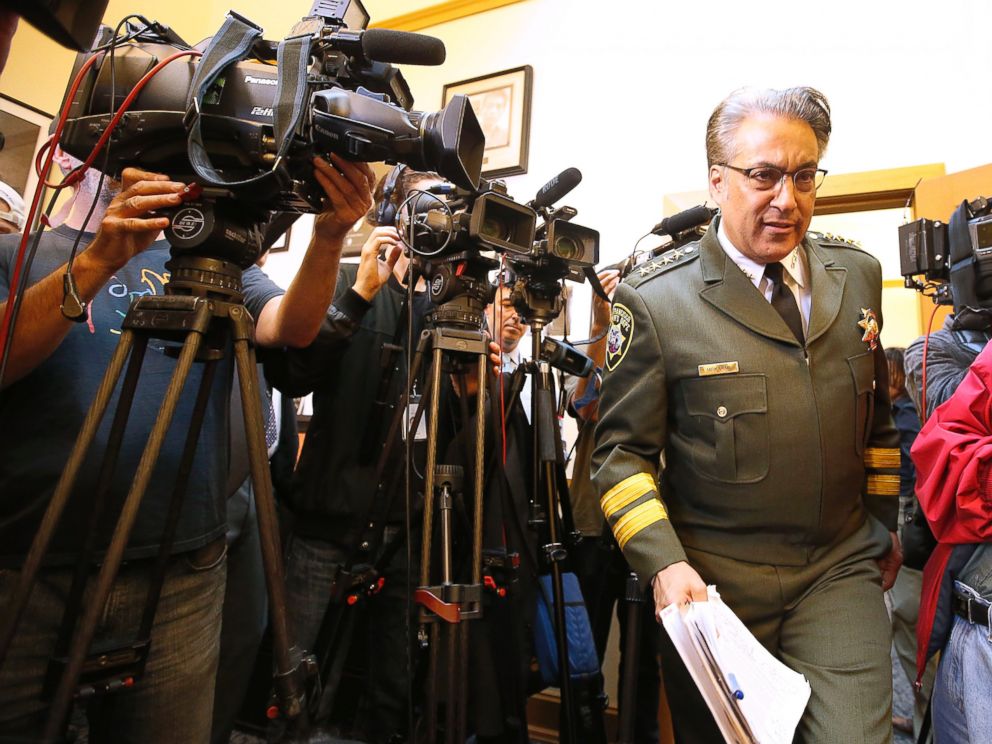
pixel 723 398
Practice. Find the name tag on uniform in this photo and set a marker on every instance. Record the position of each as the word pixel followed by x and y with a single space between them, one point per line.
pixel 718 368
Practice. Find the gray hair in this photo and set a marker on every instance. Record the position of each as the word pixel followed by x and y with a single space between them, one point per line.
pixel 803 103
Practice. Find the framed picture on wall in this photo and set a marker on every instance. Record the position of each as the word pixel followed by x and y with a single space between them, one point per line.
pixel 501 101
pixel 24 130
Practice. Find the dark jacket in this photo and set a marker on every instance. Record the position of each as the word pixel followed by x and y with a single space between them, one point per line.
pixel 953 454
pixel 335 479
pixel 772 448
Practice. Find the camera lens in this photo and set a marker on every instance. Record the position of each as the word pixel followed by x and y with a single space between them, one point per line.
pixel 567 247
pixel 495 229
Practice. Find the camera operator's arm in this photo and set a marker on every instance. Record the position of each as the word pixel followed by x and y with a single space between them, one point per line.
pixel 947 363
pixel 126 230
pixel 298 372
pixel 294 318
pixel 597 349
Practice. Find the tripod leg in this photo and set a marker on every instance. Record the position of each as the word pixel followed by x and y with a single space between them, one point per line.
pixel 62 493
pixel 480 470
pixel 546 453
pixel 434 387
pixel 463 629
pixel 432 421
pixel 628 683
pixel 286 682
pixel 115 552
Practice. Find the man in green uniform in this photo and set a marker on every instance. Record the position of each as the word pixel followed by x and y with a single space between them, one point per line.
pixel 751 359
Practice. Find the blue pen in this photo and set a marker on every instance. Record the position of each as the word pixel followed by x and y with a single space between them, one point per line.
pixel 735 688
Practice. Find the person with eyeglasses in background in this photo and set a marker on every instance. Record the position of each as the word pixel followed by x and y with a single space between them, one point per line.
pixel 751 359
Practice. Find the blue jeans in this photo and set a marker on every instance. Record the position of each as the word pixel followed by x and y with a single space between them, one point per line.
pixel 172 701
pixel 310 568
pixel 962 693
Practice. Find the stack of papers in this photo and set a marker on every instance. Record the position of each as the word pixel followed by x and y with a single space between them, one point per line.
pixel 754 697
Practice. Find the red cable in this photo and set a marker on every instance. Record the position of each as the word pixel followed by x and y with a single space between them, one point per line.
pixel 75 176
pixel 36 199
pixel 926 345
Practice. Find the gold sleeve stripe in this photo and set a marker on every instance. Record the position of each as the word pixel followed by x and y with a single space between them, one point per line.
pixel 883 485
pixel 626 492
pixel 882 458
pixel 637 519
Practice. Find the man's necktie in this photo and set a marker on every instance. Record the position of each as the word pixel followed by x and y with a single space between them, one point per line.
pixel 784 301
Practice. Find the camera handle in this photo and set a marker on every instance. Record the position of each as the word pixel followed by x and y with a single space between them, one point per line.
pixel 232 43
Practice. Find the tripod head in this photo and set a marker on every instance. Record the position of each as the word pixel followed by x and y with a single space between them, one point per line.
pixel 213 239
pixel 459 287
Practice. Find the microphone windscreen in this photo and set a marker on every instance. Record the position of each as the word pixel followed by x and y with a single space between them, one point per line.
pixel 402 47
pixel 686 220
pixel 557 187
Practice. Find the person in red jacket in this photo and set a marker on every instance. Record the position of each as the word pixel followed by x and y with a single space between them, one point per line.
pixel 953 457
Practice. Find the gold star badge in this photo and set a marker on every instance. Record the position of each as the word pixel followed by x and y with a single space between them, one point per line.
pixel 869 323
pixel 655 265
pixel 645 270
pixel 666 259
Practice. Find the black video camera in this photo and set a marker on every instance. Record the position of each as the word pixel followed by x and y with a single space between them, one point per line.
pixel 487 219
pixel 954 259
pixel 249 118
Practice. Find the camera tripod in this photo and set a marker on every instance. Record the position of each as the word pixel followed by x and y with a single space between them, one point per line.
pixel 455 335
pixel 203 310
pixel 538 301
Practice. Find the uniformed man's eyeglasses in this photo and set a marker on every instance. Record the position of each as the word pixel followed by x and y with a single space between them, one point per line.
pixel 767 177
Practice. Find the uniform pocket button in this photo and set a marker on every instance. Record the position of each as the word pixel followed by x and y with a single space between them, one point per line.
pixel 721 411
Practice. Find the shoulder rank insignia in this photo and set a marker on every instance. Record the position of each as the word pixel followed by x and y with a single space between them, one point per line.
pixel 619 336
pixel 667 260
pixel 869 324
pixel 834 240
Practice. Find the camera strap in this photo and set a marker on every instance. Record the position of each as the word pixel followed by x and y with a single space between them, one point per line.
pixel 594 282
pixel 231 44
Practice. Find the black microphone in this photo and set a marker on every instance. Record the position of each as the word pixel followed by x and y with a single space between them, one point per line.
pixel 402 47
pixel 556 188
pixel 685 220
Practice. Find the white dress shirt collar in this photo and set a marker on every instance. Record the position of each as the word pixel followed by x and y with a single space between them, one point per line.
pixel 793 263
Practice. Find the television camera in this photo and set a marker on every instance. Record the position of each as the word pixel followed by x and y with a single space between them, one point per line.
pixel 243 117
pixel 454 242
pixel 955 261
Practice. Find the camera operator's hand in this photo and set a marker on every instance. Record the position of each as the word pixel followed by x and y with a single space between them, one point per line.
pixel 677 584
pixel 373 271
pixel 348 187
pixel 295 318
pixel 130 225
pixel 496 357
